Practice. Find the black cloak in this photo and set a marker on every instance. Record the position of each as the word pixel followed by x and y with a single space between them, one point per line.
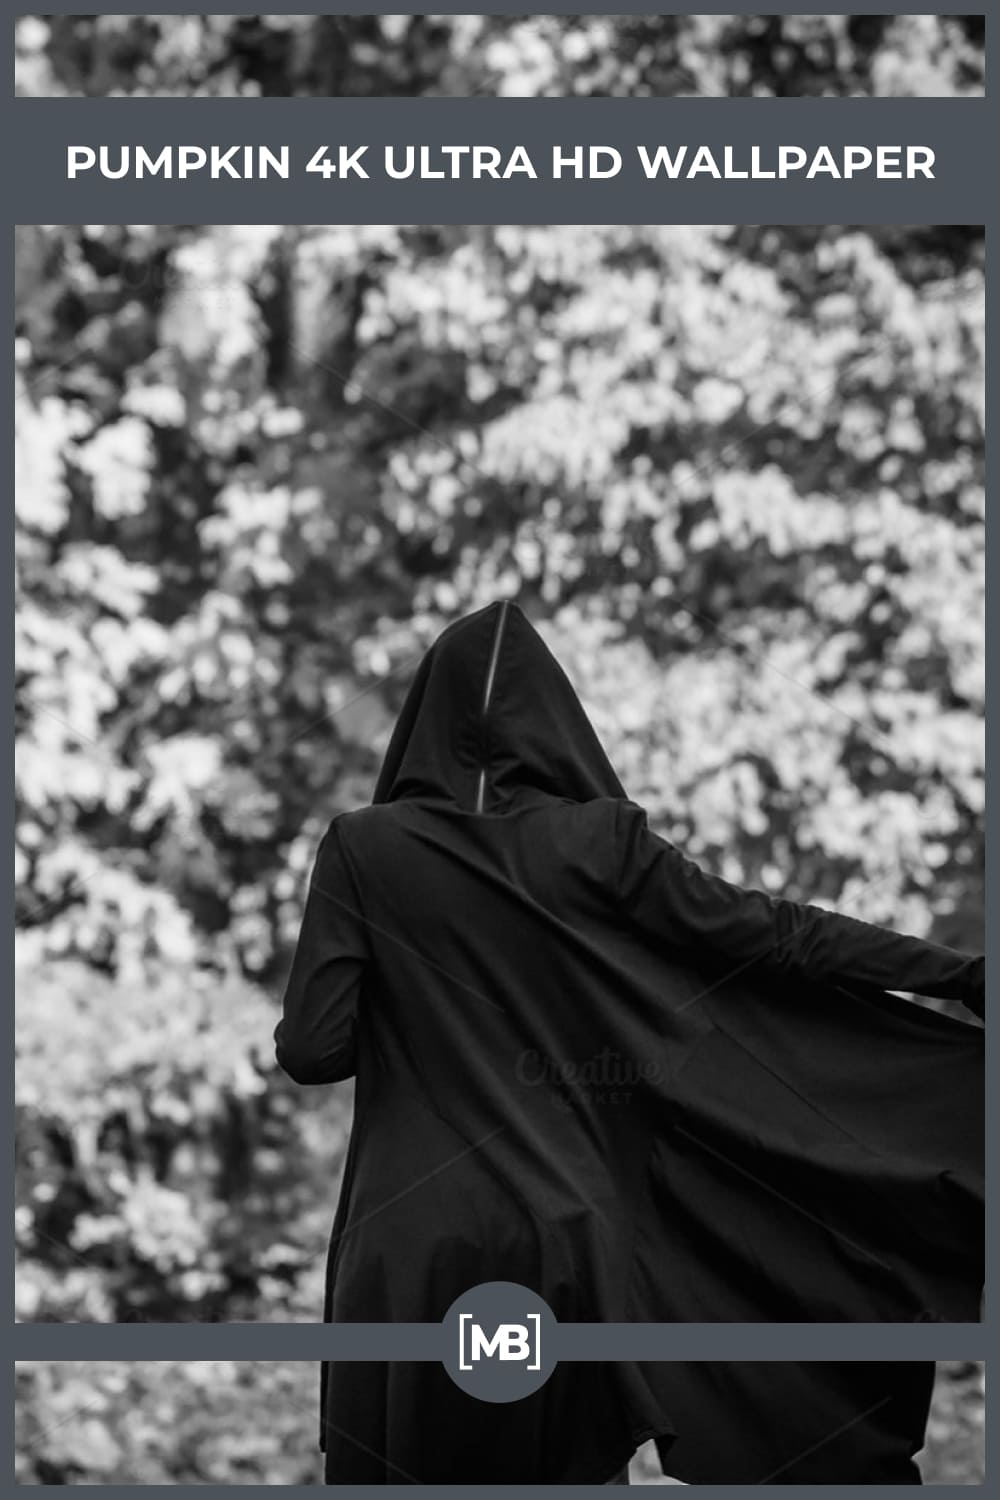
pixel 733 1423
pixel 585 1065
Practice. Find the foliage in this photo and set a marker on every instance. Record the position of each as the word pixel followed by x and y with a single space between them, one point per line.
pixel 157 1161
pixel 224 1423
pixel 734 471
pixel 206 1422
pixel 737 470
pixel 506 55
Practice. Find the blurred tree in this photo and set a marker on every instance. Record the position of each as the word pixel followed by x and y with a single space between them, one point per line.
pixel 736 472
pixel 511 55
pixel 208 1422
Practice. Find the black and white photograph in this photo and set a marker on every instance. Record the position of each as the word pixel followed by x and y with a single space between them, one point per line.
pixel 501 753
pixel 500 785
pixel 503 56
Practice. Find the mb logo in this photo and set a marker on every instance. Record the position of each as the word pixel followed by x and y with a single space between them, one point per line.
pixel 521 1341
pixel 499 1341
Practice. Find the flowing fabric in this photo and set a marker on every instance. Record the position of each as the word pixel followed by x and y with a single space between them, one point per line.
pixel 739 1423
pixel 789 1423
pixel 585 1065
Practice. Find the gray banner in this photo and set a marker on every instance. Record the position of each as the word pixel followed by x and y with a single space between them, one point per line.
pixel 143 139
pixel 425 1341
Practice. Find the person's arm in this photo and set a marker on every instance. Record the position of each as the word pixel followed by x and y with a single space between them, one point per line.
pixel 668 894
pixel 315 1039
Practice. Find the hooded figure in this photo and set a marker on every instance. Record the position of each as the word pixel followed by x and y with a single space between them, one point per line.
pixel 587 1066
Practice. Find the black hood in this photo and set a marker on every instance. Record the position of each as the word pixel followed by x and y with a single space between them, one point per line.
pixel 491 714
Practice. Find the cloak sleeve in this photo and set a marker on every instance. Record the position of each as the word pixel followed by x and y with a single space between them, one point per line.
pixel 315 1038
pixel 673 899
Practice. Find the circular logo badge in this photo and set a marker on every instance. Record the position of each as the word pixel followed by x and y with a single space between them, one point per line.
pixel 499 1341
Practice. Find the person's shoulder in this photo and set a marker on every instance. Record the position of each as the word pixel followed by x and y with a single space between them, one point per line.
pixel 355 817
pixel 354 822
pixel 595 824
pixel 360 827
pixel 346 838
pixel 622 810
pixel 600 810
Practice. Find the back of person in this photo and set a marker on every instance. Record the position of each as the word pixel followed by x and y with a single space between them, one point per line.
pixel 585 1065
pixel 494 1056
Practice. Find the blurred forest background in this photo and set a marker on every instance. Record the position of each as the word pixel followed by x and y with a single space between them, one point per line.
pixel 226 1423
pixel 734 472
pixel 517 56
